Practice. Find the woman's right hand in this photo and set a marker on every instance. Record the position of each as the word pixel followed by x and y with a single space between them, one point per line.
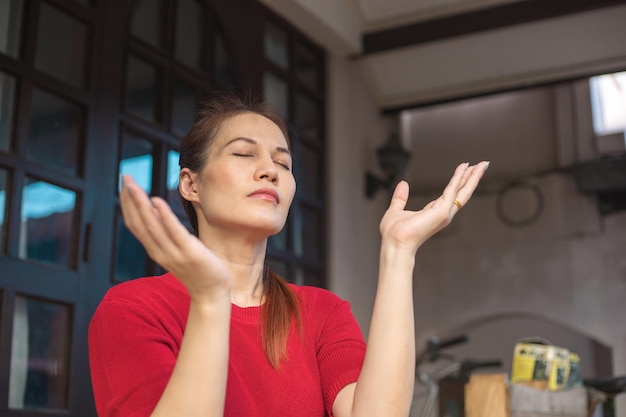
pixel 170 244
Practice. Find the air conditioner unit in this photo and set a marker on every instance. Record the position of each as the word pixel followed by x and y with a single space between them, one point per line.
pixel 601 175
pixel 606 178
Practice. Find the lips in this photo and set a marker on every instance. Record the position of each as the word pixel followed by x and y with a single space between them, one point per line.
pixel 265 194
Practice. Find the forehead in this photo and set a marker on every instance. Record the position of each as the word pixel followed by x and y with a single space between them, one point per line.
pixel 252 126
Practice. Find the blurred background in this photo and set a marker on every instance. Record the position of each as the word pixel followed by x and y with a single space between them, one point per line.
pixel 374 91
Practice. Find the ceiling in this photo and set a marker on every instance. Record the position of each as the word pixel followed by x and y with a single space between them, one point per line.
pixel 417 52
pixel 414 54
pixel 420 52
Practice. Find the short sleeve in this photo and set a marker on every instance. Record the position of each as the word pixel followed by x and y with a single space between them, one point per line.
pixel 131 356
pixel 340 352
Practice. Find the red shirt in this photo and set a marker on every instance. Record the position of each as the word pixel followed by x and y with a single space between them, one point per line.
pixel 136 332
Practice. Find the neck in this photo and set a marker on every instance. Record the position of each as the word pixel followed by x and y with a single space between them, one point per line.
pixel 245 258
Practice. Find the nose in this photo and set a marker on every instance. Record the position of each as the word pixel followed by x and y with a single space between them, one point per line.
pixel 266 170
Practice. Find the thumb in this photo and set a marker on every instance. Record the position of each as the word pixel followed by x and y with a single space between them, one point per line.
pixel 400 196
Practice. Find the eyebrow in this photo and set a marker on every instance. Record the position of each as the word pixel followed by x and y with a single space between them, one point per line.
pixel 254 142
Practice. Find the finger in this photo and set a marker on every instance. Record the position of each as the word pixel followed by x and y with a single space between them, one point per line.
pixel 400 196
pixel 143 219
pixel 172 226
pixel 451 190
pixel 466 191
pixel 128 197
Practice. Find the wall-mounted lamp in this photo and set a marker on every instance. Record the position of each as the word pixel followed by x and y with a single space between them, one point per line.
pixel 392 158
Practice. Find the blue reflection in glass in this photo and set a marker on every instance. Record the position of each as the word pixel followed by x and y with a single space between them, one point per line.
pixel 41 199
pixel 47 217
pixel 172 169
pixel 140 169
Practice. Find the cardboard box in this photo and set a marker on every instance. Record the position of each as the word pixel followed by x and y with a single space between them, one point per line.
pixel 542 366
pixel 529 402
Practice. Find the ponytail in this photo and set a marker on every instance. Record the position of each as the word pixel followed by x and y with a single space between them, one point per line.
pixel 278 313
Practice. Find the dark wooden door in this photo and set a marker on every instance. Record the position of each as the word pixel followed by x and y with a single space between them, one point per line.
pixel 89 90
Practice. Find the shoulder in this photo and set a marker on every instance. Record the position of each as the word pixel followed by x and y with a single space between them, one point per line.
pixel 157 296
pixel 315 296
pixel 145 289
pixel 321 305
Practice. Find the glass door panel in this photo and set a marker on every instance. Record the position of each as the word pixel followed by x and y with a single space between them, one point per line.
pixel 307 67
pixel 276 46
pixel 7 106
pixel 62 45
pixel 147 23
pixel 173 196
pixel 47 224
pixel 306 118
pixel 308 233
pixel 142 83
pixel 184 98
pixel 40 355
pixel 131 260
pixel 307 170
pixel 276 92
pixel 279 240
pixel 190 33
pixel 56 129
pixel 137 160
pixel 4 183
pixel 225 72
pixel 11 13
pixel 279 266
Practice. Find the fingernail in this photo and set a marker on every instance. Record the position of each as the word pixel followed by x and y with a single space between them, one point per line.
pixel 486 166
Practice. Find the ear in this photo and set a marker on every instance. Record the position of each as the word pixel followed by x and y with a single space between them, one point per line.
pixel 188 184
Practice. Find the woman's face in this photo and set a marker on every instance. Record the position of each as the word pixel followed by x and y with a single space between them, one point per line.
pixel 247 182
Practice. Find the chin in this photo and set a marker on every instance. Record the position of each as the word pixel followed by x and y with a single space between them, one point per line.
pixel 270 227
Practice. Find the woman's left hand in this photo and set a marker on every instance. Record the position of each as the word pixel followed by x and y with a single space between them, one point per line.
pixel 410 229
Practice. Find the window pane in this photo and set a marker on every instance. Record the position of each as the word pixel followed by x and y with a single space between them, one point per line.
pixel 141 89
pixel 48 217
pixel 308 277
pixel 275 90
pixel 7 108
pixel 306 66
pixel 4 183
pixel 61 46
pixel 279 241
pixel 308 233
pixel 55 132
pixel 40 352
pixel 608 95
pixel 225 74
pixel 278 266
pixel 183 107
pixel 147 22
pixel 136 160
pixel 306 118
pixel 11 13
pixel 131 260
pixel 173 169
pixel 307 170
pixel 276 47
pixel 189 34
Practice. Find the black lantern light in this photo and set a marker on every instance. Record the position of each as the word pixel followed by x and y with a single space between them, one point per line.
pixel 392 158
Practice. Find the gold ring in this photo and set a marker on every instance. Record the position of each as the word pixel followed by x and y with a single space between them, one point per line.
pixel 458 204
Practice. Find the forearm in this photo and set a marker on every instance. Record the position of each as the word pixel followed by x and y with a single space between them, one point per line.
pixel 197 386
pixel 385 385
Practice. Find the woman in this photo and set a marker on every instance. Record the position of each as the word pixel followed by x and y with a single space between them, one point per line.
pixel 219 334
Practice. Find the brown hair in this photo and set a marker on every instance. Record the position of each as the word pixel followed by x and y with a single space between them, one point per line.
pixel 281 304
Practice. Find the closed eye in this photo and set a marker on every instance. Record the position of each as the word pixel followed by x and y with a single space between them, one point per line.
pixel 243 155
pixel 284 165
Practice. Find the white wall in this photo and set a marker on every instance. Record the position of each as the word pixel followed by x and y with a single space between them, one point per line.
pixel 355 129
pixel 568 267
